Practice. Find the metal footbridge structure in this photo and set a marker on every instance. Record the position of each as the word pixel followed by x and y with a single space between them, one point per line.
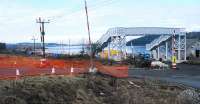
pixel 160 47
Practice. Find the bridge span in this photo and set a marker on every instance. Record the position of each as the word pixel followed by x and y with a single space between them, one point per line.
pixel 160 47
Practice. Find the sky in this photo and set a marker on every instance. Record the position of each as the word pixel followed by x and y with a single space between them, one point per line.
pixel 68 21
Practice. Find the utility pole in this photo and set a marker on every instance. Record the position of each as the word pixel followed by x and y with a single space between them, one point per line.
pixel 69 44
pixel 34 39
pixel 42 31
pixel 88 27
pixel 132 49
pixel 60 47
pixel 83 46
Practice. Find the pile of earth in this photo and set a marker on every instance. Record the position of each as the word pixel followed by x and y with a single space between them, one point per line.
pixel 91 89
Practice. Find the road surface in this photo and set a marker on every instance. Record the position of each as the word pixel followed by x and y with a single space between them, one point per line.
pixel 188 75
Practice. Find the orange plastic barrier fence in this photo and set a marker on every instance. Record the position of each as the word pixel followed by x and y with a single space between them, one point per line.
pixel 12 67
pixel 115 71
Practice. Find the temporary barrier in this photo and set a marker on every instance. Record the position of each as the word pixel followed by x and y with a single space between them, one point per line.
pixel 115 71
pixel 29 66
pixel 173 65
pixel 53 71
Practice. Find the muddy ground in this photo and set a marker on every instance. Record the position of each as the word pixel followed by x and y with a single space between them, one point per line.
pixel 91 89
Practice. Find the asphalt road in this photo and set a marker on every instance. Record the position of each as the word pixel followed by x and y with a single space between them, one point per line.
pixel 188 75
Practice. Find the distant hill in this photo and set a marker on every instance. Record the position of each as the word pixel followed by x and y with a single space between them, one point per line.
pixel 2 46
pixel 30 44
pixel 47 44
pixel 193 35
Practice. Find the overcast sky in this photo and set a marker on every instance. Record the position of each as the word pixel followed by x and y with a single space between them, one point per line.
pixel 67 17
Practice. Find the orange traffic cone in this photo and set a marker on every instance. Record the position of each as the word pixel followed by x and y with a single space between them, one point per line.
pixel 72 69
pixel 53 70
pixel 17 72
pixel 173 65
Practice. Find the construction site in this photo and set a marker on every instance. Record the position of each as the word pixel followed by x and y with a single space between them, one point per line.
pixel 111 77
pixel 149 64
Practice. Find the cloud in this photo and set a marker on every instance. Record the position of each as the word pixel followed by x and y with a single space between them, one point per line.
pixel 19 19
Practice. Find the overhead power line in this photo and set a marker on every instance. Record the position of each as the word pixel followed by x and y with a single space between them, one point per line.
pixel 93 6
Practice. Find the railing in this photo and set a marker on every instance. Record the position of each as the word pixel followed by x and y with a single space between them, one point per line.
pixel 157 41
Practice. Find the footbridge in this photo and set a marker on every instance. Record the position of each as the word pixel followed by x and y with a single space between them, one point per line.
pixel 160 47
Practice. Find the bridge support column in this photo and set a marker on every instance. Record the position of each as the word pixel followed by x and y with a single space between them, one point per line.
pixel 132 49
pixel 125 48
pixel 166 50
pixel 185 51
pixel 179 47
pixel 118 43
pixel 109 57
pixel 158 52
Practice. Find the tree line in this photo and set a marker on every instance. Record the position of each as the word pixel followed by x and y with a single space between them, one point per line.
pixel 2 46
